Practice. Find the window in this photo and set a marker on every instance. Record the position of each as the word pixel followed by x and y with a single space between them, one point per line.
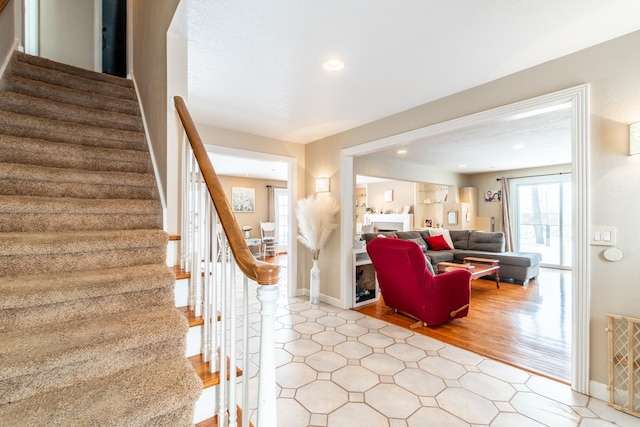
pixel 282 218
pixel 543 218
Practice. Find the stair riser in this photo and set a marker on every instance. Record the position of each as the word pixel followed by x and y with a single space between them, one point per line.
pixel 64 189
pixel 71 81
pixel 38 107
pixel 81 309
pixel 21 387
pixel 54 263
pixel 71 96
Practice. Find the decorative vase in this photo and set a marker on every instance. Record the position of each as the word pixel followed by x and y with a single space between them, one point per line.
pixel 314 289
pixel 247 234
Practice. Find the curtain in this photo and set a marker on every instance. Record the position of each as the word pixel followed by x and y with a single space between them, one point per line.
pixel 271 204
pixel 506 215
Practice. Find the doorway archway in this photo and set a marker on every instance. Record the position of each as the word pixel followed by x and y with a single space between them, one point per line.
pixel 578 99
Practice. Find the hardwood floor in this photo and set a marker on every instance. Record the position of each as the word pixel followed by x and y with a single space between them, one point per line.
pixel 525 326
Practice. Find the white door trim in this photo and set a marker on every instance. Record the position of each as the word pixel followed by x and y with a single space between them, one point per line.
pixel 578 96
pixel 292 188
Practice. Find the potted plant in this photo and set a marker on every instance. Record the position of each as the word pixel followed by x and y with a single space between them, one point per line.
pixel 247 231
pixel 316 221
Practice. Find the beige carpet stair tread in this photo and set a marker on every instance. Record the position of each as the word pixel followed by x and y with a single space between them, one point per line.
pixel 62 175
pixel 82 241
pixel 56 205
pixel 81 310
pixel 36 290
pixel 53 130
pixel 71 96
pixel 70 69
pixel 43 214
pixel 71 80
pixel 129 398
pixel 21 387
pixel 40 107
pixel 15 149
pixel 45 347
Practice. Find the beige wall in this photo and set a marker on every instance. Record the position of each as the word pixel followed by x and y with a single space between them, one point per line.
pixel 403 194
pixel 612 71
pixel 7 31
pixel 151 19
pixel 252 219
pixel 67 32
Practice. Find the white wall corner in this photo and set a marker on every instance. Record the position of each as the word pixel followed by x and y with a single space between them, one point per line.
pixel 7 58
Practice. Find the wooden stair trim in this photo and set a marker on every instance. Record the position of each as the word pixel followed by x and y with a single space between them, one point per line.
pixel 202 369
pixel 191 317
pixel 180 273
pixel 213 421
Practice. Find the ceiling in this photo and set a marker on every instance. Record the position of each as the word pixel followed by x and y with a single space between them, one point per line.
pixel 256 66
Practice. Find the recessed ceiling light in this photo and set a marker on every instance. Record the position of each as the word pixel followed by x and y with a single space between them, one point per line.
pixel 333 64
pixel 518 146
pixel 462 166
pixel 402 151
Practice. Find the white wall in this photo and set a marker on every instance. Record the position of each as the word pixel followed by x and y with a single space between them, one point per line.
pixel 67 32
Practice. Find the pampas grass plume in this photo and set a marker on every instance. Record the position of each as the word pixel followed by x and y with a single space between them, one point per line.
pixel 316 221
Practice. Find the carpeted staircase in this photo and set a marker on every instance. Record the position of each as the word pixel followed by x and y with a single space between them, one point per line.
pixel 89 335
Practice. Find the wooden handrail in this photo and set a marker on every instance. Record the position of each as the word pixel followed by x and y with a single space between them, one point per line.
pixel 263 273
pixel 3 3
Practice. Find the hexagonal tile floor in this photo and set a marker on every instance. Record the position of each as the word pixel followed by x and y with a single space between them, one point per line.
pixel 340 368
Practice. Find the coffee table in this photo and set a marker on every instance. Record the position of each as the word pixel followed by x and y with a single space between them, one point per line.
pixel 478 267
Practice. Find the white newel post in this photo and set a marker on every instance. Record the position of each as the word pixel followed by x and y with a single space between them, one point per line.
pixel 314 284
pixel 267 295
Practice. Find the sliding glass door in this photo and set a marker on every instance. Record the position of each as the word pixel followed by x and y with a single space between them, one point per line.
pixel 543 218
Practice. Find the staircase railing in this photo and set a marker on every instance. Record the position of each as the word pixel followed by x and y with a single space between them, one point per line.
pixel 209 230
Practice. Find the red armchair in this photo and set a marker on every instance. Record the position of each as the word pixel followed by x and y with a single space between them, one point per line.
pixel 408 286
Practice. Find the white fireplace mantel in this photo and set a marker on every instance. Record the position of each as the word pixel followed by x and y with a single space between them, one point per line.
pixel 397 222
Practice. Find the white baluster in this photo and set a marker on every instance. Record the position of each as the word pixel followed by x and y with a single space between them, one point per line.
pixel 267 295
pixel 245 351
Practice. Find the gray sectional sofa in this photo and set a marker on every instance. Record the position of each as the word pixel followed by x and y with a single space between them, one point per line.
pixel 518 267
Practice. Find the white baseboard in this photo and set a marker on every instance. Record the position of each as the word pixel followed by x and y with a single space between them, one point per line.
pixel 599 390
pixel 323 298
pixel 153 157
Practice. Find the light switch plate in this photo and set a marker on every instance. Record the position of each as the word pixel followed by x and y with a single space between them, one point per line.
pixel 602 236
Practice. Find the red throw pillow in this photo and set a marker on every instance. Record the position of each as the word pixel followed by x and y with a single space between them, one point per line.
pixel 437 243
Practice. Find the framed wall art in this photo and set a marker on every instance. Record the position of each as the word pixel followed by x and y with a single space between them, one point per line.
pixel 492 195
pixel 243 199
pixel 452 217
